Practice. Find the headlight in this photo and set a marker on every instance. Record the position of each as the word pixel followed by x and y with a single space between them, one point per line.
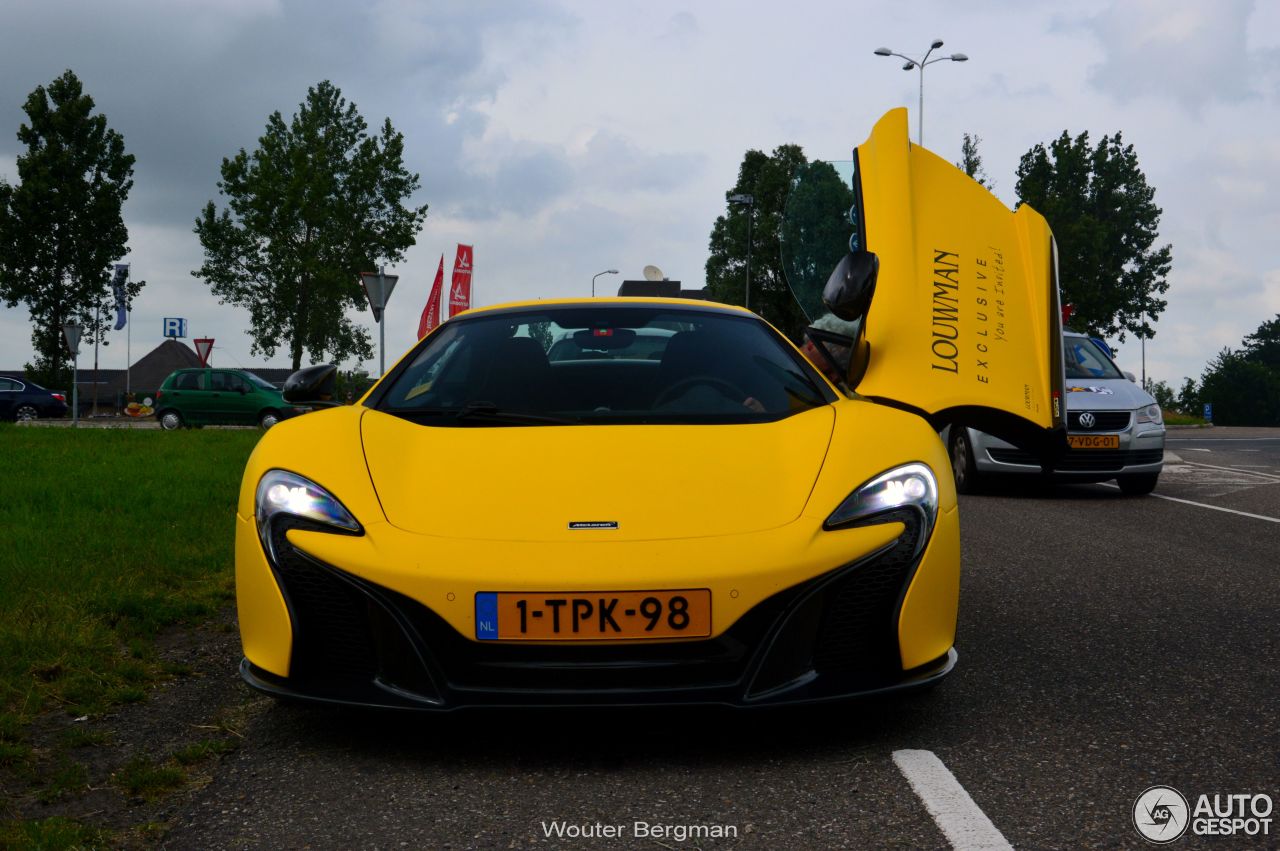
pixel 282 492
pixel 1150 414
pixel 909 486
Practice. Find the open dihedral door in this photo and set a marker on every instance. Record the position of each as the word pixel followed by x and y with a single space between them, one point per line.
pixel 942 302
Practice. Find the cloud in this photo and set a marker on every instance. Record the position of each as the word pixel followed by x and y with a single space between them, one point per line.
pixel 1195 53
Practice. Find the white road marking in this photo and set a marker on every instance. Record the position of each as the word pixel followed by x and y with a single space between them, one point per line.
pixel 1203 505
pixel 1194 449
pixel 1218 439
pixel 1234 470
pixel 1217 508
pixel 964 824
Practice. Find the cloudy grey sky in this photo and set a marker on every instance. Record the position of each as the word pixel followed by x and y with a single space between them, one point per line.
pixel 563 138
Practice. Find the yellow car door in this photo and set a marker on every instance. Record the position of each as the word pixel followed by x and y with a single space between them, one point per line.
pixel 951 299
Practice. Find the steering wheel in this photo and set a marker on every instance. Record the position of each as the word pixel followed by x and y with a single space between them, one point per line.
pixel 726 388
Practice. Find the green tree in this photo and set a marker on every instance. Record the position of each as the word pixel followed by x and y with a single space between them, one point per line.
pixel 971 161
pixel 1189 398
pixel 1263 345
pixel 1243 392
pixel 61 225
pixel 768 179
pixel 1104 217
pixel 319 201
pixel 1162 393
pixel 815 232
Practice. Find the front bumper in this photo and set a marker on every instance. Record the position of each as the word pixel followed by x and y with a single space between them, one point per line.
pixel 1140 452
pixel 356 642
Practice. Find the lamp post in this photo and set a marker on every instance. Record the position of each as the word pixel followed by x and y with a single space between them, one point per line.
pixel 598 274
pixel 921 63
pixel 748 201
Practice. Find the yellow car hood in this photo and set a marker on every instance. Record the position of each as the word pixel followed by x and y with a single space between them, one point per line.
pixel 654 481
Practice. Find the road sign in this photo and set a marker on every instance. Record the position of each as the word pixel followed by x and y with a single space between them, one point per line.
pixel 377 288
pixel 1208 412
pixel 174 327
pixel 204 346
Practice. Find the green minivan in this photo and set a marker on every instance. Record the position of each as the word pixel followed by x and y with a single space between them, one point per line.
pixel 193 397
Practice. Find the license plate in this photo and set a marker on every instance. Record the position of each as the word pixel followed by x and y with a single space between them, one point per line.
pixel 1094 441
pixel 593 615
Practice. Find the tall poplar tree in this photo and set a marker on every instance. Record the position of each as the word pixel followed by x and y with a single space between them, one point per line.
pixel 61 225
pixel 318 202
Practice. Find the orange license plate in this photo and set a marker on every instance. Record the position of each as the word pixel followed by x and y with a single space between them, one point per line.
pixel 1094 441
pixel 593 615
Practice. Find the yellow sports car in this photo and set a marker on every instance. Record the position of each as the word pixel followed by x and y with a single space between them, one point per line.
pixel 636 501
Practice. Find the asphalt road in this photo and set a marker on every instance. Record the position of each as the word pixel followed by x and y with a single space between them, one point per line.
pixel 1107 644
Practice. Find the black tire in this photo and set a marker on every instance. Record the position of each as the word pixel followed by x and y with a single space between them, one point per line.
pixel 267 419
pixel 25 413
pixel 963 468
pixel 170 420
pixel 1138 484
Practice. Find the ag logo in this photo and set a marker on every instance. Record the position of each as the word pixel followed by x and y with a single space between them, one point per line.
pixel 1087 420
pixel 1161 815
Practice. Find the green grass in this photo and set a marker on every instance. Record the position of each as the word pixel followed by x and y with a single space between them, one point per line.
pixel 110 536
pixel 51 834
pixel 142 778
pixel 202 750
pixel 1175 418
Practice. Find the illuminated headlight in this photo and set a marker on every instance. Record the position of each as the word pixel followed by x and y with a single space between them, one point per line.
pixel 1150 414
pixel 281 492
pixel 909 486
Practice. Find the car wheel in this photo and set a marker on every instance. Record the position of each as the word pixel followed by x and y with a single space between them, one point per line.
pixel 170 420
pixel 268 419
pixel 25 413
pixel 968 479
pixel 1139 484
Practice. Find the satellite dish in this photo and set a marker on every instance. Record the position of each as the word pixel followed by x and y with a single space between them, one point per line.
pixel 653 273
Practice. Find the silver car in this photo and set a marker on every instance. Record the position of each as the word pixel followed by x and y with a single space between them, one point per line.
pixel 1114 426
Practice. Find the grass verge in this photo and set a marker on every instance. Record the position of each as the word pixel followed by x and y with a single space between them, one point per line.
pixel 111 535
pixel 1175 418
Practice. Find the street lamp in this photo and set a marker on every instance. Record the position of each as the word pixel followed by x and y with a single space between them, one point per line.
pixel 921 63
pixel 749 201
pixel 598 274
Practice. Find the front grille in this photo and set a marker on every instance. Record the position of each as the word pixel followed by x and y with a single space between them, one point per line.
pixel 345 639
pixel 354 640
pixel 1103 421
pixel 1083 460
pixel 859 631
pixel 332 636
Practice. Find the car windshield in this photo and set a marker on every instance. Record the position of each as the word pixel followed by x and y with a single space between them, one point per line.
pixel 1085 360
pixel 260 382
pixel 602 364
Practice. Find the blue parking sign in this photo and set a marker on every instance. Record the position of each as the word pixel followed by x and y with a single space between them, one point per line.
pixel 1208 412
pixel 174 327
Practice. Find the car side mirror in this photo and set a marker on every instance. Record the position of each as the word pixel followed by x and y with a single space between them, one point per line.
pixel 1129 375
pixel 848 291
pixel 312 385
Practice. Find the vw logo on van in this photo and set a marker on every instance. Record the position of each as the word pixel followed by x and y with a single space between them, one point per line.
pixel 1087 420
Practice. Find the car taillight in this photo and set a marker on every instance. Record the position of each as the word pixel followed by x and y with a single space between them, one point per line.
pixel 59 397
pixel 159 395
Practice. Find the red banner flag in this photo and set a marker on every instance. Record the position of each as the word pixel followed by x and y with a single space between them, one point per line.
pixel 431 313
pixel 460 292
